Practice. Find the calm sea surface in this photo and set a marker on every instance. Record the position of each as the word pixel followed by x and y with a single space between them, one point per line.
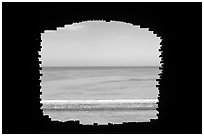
pixel 100 83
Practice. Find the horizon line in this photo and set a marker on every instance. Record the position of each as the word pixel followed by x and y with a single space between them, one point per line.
pixel 104 66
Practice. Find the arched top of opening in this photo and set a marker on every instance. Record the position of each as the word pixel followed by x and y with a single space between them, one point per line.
pixel 99 43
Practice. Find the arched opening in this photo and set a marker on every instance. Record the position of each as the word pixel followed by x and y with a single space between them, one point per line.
pixel 100 72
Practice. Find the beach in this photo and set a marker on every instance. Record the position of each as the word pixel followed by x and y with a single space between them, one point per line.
pixel 103 117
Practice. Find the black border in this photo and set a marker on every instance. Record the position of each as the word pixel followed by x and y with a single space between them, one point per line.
pixel 179 26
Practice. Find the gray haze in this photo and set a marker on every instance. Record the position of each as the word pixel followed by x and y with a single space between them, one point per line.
pixel 99 43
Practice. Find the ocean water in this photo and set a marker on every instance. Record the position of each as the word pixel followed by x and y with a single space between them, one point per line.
pixel 100 83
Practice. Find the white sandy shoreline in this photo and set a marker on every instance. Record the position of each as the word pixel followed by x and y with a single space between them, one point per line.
pixel 100 101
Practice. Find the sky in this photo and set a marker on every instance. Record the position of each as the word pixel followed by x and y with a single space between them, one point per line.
pixel 100 43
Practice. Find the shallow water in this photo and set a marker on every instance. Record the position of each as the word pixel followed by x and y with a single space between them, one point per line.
pixel 99 83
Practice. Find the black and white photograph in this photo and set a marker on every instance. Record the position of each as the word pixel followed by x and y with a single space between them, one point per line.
pixel 94 67
pixel 100 72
